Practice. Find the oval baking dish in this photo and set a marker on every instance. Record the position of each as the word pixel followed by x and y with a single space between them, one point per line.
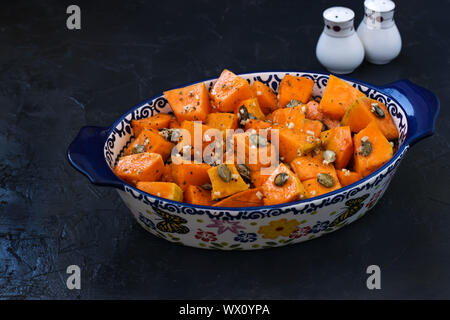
pixel 95 151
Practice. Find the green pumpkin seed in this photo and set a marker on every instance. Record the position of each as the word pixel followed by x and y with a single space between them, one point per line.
pixel 366 148
pixel 224 172
pixel 257 140
pixel 243 113
pixel 244 171
pixel 325 179
pixel 293 103
pixel 138 148
pixel 377 110
pixel 280 179
pixel 207 186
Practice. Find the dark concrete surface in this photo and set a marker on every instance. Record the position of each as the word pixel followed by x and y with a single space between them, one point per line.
pixel 54 81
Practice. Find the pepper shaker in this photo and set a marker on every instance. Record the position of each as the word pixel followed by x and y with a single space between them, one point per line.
pixel 339 48
pixel 379 33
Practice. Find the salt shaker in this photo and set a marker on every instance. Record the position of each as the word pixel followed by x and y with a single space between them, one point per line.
pixel 339 48
pixel 379 33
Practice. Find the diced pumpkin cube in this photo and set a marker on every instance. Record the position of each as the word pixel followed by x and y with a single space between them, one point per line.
pixel 290 117
pixel 221 188
pixel 314 188
pixel 309 166
pixel 158 121
pixel 367 161
pixel 189 103
pixel 222 121
pixel 347 177
pixel 251 151
pixel 362 112
pixel 149 140
pixel 204 136
pixel 167 190
pixel 312 127
pixel 229 90
pixel 340 141
pixel 338 97
pixel 190 173
pixel 313 111
pixel 260 127
pixel 167 174
pixel 294 88
pixel 247 198
pixel 199 196
pixel 252 107
pixel 293 144
pixel 291 190
pixel 143 166
pixel 266 97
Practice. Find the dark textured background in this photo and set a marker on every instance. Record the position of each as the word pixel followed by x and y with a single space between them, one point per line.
pixel 54 81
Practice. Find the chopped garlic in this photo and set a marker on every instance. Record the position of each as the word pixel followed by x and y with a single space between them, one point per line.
pixel 259 195
pixel 235 176
pixel 258 93
pixel 291 125
pixel 309 132
pixel 313 192
pixel 304 109
pixel 217 193
pixel 364 139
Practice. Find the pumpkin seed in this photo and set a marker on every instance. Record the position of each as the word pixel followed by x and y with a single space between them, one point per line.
pixel 293 103
pixel 138 148
pixel 207 186
pixel 224 172
pixel 244 171
pixel 257 140
pixel 325 179
pixel 366 148
pixel 377 110
pixel 280 179
pixel 243 113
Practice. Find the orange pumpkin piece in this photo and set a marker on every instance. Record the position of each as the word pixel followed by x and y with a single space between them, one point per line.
pixel 309 166
pixel 247 198
pixel 340 141
pixel 338 97
pixel 158 121
pixel 290 117
pixel 229 90
pixel 313 111
pixel 292 144
pixel 312 127
pixel 189 103
pixel 167 174
pixel 143 166
pixel 347 177
pixel 167 190
pixel 314 188
pixel 266 97
pixel 222 189
pixel 197 195
pixel 253 155
pixel 381 150
pixel 361 113
pixel 190 173
pixel 222 121
pixel 294 88
pixel 261 127
pixel 174 124
pixel 292 189
pixel 205 135
pixel 149 140
pixel 258 178
pixel 252 106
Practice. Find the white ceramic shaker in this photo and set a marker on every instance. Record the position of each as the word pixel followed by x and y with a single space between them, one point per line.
pixel 339 48
pixel 379 33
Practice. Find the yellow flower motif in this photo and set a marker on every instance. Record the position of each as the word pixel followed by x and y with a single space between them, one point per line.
pixel 278 228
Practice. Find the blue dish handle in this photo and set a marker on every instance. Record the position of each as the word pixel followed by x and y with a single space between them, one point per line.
pixel 85 154
pixel 421 106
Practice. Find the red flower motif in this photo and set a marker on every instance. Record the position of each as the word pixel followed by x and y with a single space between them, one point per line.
pixel 299 232
pixel 205 236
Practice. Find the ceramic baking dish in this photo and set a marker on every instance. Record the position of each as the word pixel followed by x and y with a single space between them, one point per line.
pixel 95 151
